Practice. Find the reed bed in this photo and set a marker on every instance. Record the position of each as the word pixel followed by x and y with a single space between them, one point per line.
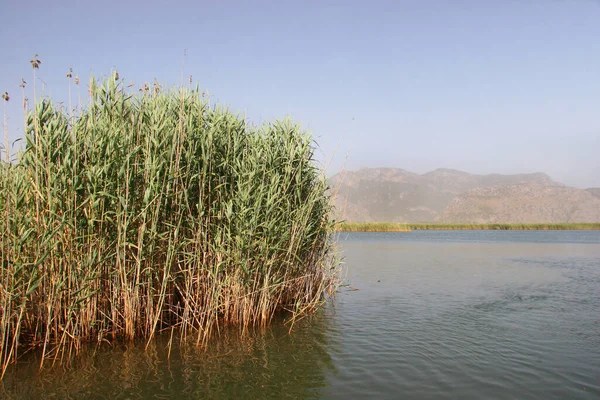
pixel 144 212
pixel 508 227
pixel 398 227
pixel 372 227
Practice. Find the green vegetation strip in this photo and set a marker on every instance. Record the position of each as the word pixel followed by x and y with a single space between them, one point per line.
pixel 398 227
pixel 372 227
pixel 150 211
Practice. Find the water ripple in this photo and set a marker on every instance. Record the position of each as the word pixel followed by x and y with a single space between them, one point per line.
pixel 444 315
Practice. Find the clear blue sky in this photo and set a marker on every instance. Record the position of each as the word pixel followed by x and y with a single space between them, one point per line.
pixel 482 85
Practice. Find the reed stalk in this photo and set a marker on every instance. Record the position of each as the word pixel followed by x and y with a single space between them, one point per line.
pixel 6 98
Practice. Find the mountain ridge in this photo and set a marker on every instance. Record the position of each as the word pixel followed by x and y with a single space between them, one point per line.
pixel 449 195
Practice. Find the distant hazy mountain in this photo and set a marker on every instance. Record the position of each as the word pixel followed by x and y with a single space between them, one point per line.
pixel 446 195
pixel 594 191
pixel 525 203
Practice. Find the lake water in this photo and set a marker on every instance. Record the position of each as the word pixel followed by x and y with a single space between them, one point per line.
pixel 426 314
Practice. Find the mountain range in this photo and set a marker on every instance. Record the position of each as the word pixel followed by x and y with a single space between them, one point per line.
pixel 452 196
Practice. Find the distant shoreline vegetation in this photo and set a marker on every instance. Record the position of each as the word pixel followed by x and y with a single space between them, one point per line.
pixel 399 227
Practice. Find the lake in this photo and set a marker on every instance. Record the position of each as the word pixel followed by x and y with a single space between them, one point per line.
pixel 422 315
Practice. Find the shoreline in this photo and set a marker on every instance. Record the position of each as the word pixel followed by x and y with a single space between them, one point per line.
pixel 408 227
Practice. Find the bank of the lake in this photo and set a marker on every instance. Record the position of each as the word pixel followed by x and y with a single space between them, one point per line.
pixel 407 227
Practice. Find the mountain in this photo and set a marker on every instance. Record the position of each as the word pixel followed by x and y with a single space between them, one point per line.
pixel 447 195
pixel 594 191
pixel 524 203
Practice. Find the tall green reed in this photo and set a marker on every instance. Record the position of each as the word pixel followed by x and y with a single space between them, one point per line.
pixel 153 211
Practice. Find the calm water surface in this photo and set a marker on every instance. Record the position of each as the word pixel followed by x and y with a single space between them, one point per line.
pixel 458 314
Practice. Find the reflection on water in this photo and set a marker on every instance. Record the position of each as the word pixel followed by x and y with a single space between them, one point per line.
pixel 269 363
pixel 470 315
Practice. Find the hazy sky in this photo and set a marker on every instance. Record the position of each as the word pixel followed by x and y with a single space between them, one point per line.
pixel 482 85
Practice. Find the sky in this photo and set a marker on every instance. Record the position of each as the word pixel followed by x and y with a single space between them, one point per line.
pixel 483 86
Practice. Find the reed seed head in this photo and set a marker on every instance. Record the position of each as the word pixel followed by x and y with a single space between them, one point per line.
pixel 35 62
